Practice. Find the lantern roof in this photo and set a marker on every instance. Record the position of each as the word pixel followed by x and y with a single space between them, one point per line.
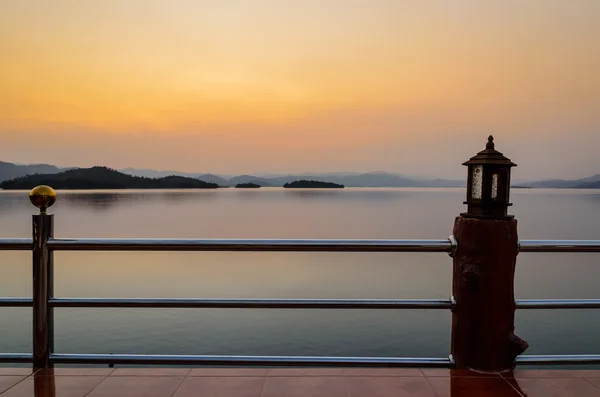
pixel 490 156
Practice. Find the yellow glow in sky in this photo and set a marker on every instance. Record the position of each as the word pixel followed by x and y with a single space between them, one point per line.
pixel 228 85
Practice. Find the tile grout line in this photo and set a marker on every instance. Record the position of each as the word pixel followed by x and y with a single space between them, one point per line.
pixel 511 385
pixel 593 385
pixel 181 383
pixel 94 388
pixel 264 386
pixel 346 383
pixel 19 382
pixel 435 393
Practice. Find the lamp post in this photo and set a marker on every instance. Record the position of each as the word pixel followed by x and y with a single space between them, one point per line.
pixel 483 319
pixel 43 269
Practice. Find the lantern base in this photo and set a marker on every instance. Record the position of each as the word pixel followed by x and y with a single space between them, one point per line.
pixel 486 216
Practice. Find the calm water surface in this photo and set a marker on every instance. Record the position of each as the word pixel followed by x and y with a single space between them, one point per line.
pixel 279 213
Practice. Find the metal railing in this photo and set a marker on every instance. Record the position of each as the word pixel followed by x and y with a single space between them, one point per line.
pixel 43 301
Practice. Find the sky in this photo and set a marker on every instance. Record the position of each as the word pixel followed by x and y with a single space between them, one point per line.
pixel 272 86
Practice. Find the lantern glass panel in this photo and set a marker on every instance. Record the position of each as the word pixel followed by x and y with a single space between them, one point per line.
pixel 477 182
pixel 495 186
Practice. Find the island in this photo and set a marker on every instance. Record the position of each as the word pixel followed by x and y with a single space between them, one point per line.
pixel 313 185
pixel 103 178
pixel 248 185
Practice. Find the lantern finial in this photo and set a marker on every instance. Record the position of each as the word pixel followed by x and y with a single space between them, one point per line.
pixel 490 143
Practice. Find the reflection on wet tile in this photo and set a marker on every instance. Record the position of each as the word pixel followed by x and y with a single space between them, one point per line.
pixel 181 372
pixel 15 371
pixel 6 382
pixel 555 387
pixel 306 372
pixel 228 372
pixel 75 371
pixel 221 387
pixel 550 373
pixel 472 387
pixel 298 386
pixel 50 386
pixel 462 373
pixel 389 387
pixel 383 372
pixel 129 386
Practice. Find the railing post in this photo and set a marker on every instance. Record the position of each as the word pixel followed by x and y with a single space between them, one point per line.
pixel 43 316
pixel 483 336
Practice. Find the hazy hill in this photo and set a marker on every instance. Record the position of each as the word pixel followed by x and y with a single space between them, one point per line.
pixel 590 185
pixel 253 179
pixel 11 171
pixel 103 178
pixel 213 179
pixel 565 183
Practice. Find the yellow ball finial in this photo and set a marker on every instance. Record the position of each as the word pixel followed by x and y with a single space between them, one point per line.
pixel 42 197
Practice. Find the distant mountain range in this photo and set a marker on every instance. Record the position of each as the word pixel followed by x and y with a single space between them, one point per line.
pixel 349 179
pixel 103 178
pixel 592 182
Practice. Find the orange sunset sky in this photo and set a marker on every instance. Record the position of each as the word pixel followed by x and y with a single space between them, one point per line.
pixel 278 86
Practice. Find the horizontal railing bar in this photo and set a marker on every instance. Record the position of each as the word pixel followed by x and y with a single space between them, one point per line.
pixel 558 359
pixel 96 244
pixel 558 304
pixel 559 246
pixel 16 244
pixel 312 361
pixel 16 357
pixel 16 302
pixel 256 303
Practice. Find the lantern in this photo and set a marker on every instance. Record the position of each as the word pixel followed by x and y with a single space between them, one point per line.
pixel 488 184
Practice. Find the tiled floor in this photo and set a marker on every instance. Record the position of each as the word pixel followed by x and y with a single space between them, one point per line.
pixel 294 382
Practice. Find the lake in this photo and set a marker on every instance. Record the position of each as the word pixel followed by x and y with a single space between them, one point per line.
pixel 283 213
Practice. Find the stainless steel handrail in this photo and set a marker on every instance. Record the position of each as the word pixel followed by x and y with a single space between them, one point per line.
pixel 558 359
pixel 334 245
pixel 256 303
pixel 313 361
pixel 16 244
pixel 16 357
pixel 558 303
pixel 559 246
pixel 16 302
pixel 337 245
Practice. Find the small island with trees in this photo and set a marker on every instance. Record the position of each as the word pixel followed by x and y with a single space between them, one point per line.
pixel 248 185
pixel 312 185
pixel 103 178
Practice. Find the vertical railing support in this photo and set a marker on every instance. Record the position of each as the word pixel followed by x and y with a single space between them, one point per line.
pixel 483 319
pixel 43 315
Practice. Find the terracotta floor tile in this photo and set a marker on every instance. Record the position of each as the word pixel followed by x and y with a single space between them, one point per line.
pixel 472 387
pixel 178 372
pixel 51 386
pixel 378 372
pixel 306 372
pixel 555 387
pixel 228 372
pixel 6 382
pixel 595 381
pixel 75 371
pixel 133 386
pixel 231 386
pixel 462 373
pixel 15 371
pixel 305 386
pixel 389 387
pixel 551 373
